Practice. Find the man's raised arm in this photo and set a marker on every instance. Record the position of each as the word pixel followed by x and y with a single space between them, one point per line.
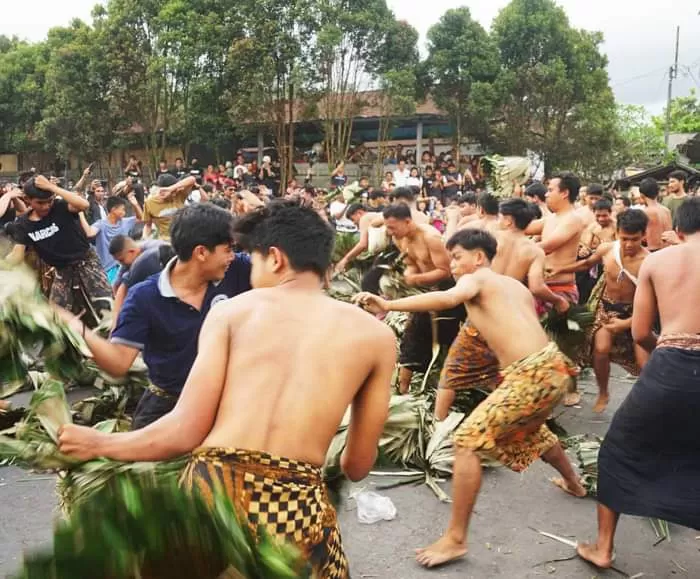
pixel 76 203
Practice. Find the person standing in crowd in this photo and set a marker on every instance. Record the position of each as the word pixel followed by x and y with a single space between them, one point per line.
pixel 52 228
pixel 162 316
pixel 677 183
pixel 338 176
pixel 196 171
pixel 11 205
pixel 105 230
pixel 487 211
pixel 592 194
pixel 648 463
pixel 180 171
pixel 621 204
pixel 133 169
pixel 660 219
pixel 97 202
pixel 401 174
pixel 536 193
pixel 241 168
pixel 161 206
pixel 388 183
pixel 452 181
pixel 162 169
pixel 414 179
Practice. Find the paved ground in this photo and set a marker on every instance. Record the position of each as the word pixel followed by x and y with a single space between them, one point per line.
pixel 501 542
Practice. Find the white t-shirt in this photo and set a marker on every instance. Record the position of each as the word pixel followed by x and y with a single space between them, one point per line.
pixel 401 177
pixel 235 170
pixel 414 182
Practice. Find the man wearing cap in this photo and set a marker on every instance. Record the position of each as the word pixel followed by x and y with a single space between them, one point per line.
pixel 162 205
pixel 162 316
pixel 52 229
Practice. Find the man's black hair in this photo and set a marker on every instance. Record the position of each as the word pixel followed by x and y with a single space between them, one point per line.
pixel 632 221
pixel 117 244
pixel 404 194
pixel 687 220
pixel 471 239
pixel 292 227
pixel 537 190
pixel 115 201
pixel 569 182
pixel 33 192
pixel 200 224
pixel 136 231
pixel 519 210
pixel 535 210
pixel 625 201
pixel 166 180
pixel 377 194
pixel 363 177
pixel 178 159
pixel 354 208
pixel 602 205
pixel 488 202
pixel 221 202
pixel 595 189
pixel 398 211
pixel 649 188
pixel 680 176
pixel 208 188
pixel 469 198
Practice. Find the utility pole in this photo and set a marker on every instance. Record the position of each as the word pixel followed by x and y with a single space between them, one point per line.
pixel 672 75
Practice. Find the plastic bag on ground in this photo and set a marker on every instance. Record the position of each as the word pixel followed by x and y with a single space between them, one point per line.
pixel 373 507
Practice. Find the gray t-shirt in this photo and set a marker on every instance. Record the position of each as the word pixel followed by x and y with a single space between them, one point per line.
pixel 106 233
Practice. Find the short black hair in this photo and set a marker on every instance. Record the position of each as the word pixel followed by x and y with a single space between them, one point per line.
pixel 679 175
pixel 687 220
pixel 595 189
pixel 377 194
pixel 471 239
pixel 404 193
pixel 488 202
pixel 569 182
pixel 602 205
pixel 30 189
pixel 625 200
pixel 118 244
pixel 519 210
pixel 649 188
pixel 115 201
pixel 292 227
pixel 208 188
pixel 398 211
pixel 200 224
pixel 632 221
pixel 354 208
pixel 221 202
pixel 535 209
pixel 469 198
pixel 537 189
pixel 166 180
pixel 178 159
pixel 363 177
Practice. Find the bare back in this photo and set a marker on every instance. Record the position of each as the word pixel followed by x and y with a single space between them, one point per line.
pixel 503 310
pixel 659 221
pixel 514 256
pixel 675 278
pixel 297 360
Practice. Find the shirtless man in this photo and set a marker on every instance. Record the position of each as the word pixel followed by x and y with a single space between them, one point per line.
pixel 487 211
pixel 536 193
pixel 470 362
pixel 611 337
pixel 560 233
pixel 591 194
pixel 648 464
pixel 509 424
pixel 427 266
pixel 273 422
pixel 660 219
pixel 363 221
pixel 602 230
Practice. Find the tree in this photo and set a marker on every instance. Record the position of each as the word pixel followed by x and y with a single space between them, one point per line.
pixel 554 87
pixel 641 142
pixel 685 115
pixel 463 65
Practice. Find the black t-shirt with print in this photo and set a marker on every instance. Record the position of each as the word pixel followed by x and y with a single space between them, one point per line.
pixel 58 238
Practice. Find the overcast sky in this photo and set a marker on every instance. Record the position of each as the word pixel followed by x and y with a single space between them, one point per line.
pixel 639 34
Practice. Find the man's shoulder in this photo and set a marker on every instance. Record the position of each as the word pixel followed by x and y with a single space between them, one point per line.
pixel 146 290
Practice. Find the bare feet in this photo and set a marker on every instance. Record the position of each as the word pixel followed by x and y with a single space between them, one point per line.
pixel 601 403
pixel 592 554
pixel 444 550
pixel 576 490
pixel 572 399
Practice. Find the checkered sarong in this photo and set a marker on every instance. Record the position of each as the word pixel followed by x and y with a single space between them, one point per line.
pixel 286 497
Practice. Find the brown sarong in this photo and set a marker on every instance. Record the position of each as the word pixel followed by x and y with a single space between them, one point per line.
pixel 505 425
pixel 470 363
pixel 286 497
pixel 83 286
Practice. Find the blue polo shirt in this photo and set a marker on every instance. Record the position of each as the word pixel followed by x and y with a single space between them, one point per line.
pixel 165 329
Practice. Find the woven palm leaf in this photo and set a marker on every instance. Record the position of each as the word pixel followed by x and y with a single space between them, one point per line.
pixel 141 531
pixel 568 330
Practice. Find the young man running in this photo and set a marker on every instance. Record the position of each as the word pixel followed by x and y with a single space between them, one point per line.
pixel 648 464
pixel 262 430
pixel 611 337
pixel 509 424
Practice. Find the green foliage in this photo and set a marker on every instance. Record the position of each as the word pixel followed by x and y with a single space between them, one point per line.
pixel 641 141
pixel 685 115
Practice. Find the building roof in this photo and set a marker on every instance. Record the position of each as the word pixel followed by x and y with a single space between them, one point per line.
pixel 661 173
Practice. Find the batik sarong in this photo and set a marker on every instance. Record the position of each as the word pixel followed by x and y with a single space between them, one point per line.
pixel 622 352
pixel 288 498
pixel 505 425
pixel 470 363
pixel 648 463
pixel 45 273
pixel 83 287
pixel 568 291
